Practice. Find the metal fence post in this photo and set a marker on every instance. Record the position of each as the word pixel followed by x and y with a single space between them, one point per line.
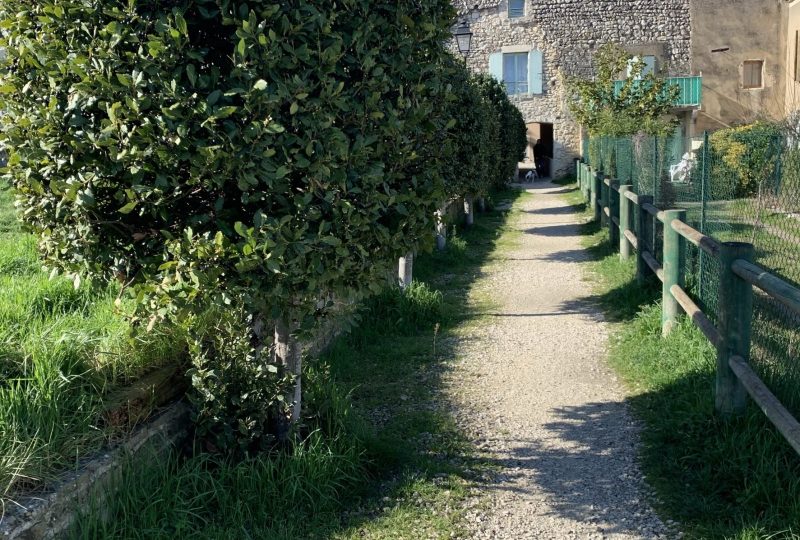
pixel 641 217
pixel 624 222
pixel 674 269
pixel 735 319
pixel 613 212
pixel 593 199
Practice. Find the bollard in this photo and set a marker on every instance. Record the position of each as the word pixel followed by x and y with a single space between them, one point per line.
pixel 735 319
pixel 469 211
pixel 624 222
pixel 441 229
pixel 405 270
pixel 674 252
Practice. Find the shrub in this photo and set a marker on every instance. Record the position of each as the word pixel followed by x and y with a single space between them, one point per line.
pixel 258 154
pixel 512 138
pixel 744 158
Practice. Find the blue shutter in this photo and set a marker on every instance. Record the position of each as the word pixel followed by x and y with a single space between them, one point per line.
pixel 535 75
pixel 496 66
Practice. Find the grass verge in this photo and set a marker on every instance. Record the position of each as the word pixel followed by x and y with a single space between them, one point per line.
pixel 61 350
pixel 720 480
pixel 385 459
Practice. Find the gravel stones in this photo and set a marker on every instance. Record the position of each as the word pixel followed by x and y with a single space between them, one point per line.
pixel 533 393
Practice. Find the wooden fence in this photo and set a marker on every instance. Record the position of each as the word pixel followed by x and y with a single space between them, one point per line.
pixel 629 218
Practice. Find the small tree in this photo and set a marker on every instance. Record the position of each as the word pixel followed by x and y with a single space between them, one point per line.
pixel 208 153
pixel 642 103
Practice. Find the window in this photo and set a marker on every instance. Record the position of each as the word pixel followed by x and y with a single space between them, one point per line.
pixel 519 67
pixel 516 8
pixel 752 74
pixel 649 65
pixel 515 73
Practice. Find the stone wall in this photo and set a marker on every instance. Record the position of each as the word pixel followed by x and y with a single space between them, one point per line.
pixel 568 32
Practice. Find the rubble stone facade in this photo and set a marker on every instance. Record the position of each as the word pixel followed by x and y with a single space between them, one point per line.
pixel 568 33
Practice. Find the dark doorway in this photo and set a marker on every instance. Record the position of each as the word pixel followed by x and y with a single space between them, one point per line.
pixel 539 131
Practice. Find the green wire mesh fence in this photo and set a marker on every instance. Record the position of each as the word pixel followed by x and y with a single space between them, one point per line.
pixel 747 193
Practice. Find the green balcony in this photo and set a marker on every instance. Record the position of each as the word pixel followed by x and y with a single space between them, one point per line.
pixel 691 94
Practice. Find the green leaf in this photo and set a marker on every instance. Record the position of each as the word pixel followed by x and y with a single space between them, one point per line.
pixel 128 208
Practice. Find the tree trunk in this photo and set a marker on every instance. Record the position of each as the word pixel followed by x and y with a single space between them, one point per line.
pixel 481 204
pixel 441 229
pixel 289 357
pixel 469 211
pixel 405 270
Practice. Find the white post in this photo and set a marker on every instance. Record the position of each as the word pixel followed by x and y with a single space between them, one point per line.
pixel 405 270
pixel 441 229
pixel 469 211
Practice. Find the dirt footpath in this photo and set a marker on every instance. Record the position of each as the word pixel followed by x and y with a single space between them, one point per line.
pixel 533 392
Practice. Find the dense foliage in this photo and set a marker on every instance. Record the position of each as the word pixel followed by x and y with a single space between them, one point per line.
pixel 643 103
pixel 513 136
pixel 256 154
pixel 747 155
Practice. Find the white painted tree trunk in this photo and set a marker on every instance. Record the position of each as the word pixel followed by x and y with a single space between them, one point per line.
pixel 405 270
pixel 469 211
pixel 288 356
pixel 441 229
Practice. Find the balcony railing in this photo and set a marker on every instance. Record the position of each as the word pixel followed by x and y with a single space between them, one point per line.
pixel 691 90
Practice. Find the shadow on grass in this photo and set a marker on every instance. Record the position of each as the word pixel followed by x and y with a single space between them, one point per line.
pixel 419 461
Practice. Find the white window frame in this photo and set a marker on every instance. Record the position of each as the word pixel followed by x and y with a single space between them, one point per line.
pixel 525 82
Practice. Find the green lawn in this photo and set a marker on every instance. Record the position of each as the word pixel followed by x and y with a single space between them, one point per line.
pixel 61 350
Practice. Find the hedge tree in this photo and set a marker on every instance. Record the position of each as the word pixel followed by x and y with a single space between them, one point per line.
pixel 256 154
pixel 512 138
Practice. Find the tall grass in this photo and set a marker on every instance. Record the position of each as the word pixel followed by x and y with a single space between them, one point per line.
pixel 61 350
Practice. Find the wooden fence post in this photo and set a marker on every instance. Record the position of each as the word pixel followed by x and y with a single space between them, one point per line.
pixel 594 199
pixel 735 319
pixel 624 222
pixel 603 201
pixel 613 212
pixel 674 253
pixel 641 217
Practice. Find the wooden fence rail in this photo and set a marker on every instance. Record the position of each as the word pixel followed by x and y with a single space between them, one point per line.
pixel 629 216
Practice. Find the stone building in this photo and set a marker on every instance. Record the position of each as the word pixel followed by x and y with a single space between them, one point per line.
pixel 735 60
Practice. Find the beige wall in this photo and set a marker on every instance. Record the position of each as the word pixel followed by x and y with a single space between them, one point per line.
pixel 792 73
pixel 751 30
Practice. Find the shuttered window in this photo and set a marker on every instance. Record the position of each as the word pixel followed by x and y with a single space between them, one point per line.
pixel 752 73
pixel 521 72
pixel 516 8
pixel 515 73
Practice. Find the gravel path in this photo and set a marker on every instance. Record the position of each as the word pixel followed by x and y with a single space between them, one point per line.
pixel 533 392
